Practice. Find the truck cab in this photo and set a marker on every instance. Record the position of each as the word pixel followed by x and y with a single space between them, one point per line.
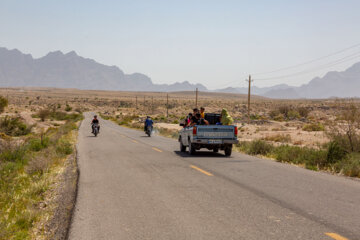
pixel 213 136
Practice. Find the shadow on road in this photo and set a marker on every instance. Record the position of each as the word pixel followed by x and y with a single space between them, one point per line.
pixel 200 154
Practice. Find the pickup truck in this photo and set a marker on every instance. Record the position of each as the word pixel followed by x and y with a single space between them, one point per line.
pixel 212 137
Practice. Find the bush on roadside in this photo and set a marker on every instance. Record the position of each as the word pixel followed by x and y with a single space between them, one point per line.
pixel 335 152
pixel 36 144
pixel 259 147
pixel 301 155
pixel 350 165
pixel 13 126
pixel 64 147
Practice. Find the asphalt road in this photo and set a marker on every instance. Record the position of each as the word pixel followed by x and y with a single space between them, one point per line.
pixel 135 187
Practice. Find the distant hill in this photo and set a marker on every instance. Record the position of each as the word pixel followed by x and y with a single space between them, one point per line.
pixel 344 84
pixel 72 71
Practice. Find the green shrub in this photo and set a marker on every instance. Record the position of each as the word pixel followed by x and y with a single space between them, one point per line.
pixel 13 127
pixel 3 104
pixel 12 154
pixel 64 147
pixel 259 147
pixel 301 155
pixel 313 127
pixel 68 108
pixel 279 118
pixel 36 144
pixel 286 153
pixel 335 152
pixel 293 114
pixel 284 138
pixel 349 166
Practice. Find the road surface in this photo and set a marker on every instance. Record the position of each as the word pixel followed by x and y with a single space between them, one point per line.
pixel 135 187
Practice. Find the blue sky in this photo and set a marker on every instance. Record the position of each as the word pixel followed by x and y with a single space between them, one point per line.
pixel 216 43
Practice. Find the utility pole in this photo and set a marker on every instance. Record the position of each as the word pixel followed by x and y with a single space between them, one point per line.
pixel 136 102
pixel 196 102
pixel 249 93
pixel 167 105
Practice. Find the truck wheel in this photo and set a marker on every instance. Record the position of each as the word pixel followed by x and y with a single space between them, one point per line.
pixel 192 150
pixel 182 147
pixel 215 150
pixel 228 151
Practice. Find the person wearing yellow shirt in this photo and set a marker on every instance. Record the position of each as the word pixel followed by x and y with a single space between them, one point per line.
pixel 202 112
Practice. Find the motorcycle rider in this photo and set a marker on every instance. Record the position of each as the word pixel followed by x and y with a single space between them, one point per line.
pixel 148 123
pixel 93 122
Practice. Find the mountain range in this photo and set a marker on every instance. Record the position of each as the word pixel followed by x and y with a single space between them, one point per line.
pixel 60 70
pixel 69 70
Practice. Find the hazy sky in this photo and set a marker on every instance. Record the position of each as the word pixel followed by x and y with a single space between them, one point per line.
pixel 214 43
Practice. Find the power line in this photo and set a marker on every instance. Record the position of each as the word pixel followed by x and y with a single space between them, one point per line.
pixel 334 63
pixel 311 61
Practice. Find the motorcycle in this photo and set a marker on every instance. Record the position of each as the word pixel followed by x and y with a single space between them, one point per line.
pixel 95 127
pixel 148 130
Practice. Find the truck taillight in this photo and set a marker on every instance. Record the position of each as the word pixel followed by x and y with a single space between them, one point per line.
pixel 194 130
pixel 236 131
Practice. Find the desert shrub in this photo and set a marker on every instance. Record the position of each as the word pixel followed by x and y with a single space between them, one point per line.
pixel 58 115
pixel 36 144
pixel 346 134
pixel 274 113
pixel 175 122
pixel 43 114
pixel 303 111
pixel 3 104
pixel 279 118
pixel 13 127
pixel 168 132
pixel 284 138
pixel 284 109
pixel 38 164
pixel 61 116
pixel 293 114
pixel 313 127
pixel 312 158
pixel 349 166
pixel 64 147
pixel 286 153
pixel 127 119
pixel 13 153
pixel 335 152
pixel 68 108
pixel 259 147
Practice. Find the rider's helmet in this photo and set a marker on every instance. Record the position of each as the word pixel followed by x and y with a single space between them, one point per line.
pixel 95 116
pixel 147 116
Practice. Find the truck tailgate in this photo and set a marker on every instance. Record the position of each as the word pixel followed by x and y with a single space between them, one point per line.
pixel 214 132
